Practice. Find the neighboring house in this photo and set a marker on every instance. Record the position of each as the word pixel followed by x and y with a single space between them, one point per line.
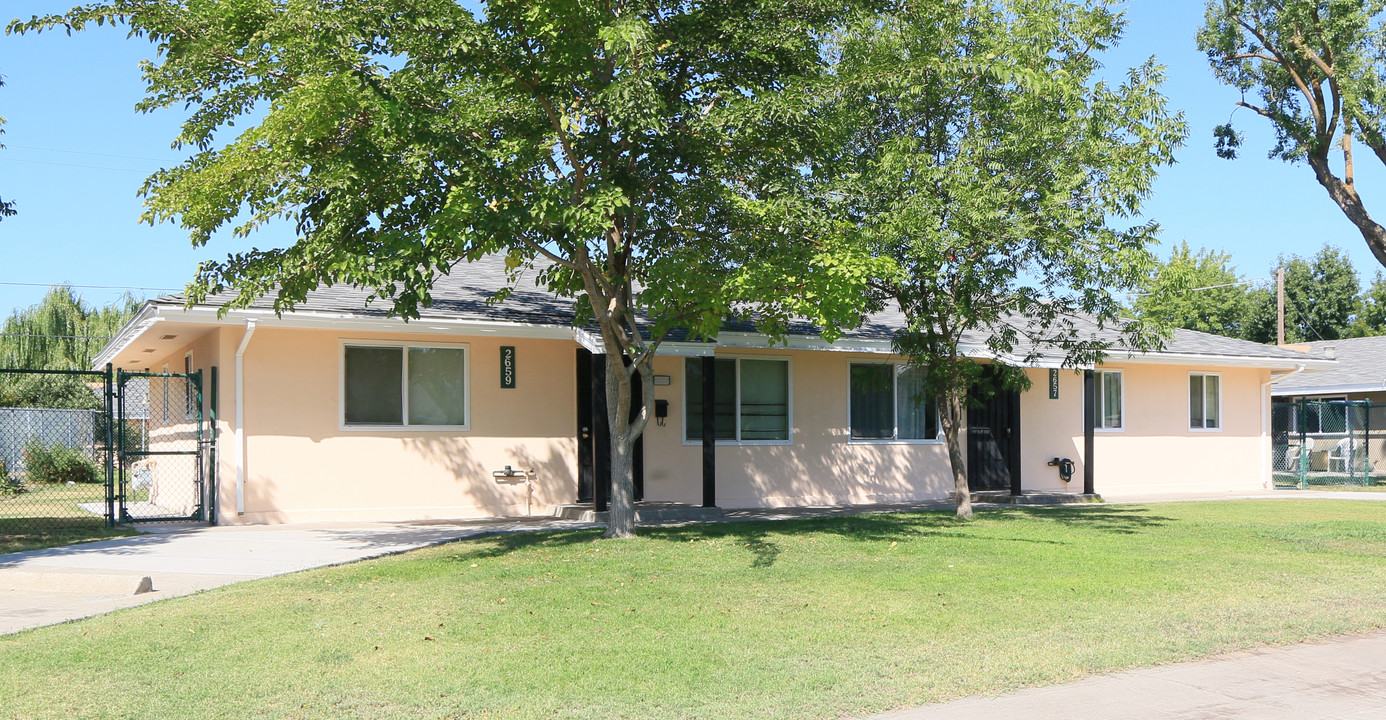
pixel 1344 419
pixel 338 412
pixel 1359 374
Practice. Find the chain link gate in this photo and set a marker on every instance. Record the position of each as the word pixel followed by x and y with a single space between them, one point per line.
pixel 56 450
pixel 161 460
pixel 1336 444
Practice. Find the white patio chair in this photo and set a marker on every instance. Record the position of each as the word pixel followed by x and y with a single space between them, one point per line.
pixel 1293 453
pixel 1341 454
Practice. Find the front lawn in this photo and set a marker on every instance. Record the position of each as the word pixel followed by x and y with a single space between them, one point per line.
pixel 803 619
pixel 47 514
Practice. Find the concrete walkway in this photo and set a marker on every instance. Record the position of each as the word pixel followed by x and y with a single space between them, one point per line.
pixel 44 587
pixel 1334 680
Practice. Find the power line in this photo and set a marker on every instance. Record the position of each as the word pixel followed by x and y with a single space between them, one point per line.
pixel 57 337
pixel 1206 287
pixel 69 165
pixel 83 152
pixel 91 287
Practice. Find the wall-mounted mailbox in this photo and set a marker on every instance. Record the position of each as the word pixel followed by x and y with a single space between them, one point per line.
pixel 661 411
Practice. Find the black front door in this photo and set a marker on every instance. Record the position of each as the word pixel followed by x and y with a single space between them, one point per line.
pixel 593 435
pixel 993 441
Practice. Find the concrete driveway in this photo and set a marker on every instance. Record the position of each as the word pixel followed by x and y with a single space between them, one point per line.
pixel 44 587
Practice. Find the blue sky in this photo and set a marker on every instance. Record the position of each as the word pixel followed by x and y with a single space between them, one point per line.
pixel 77 153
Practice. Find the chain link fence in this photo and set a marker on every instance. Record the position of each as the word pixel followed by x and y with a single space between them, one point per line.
pixel 92 449
pixel 1333 444
pixel 56 450
pixel 161 475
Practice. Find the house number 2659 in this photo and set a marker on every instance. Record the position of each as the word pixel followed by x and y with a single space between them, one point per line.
pixel 507 366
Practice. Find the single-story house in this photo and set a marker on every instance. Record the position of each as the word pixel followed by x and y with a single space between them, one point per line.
pixel 336 411
pixel 1343 422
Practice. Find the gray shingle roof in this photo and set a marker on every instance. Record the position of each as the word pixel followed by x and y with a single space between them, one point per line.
pixel 1361 362
pixel 463 295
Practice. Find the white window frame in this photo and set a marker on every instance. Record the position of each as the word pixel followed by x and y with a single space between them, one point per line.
pixel 1221 420
pixel 789 420
pixel 1321 431
pixel 404 425
pixel 1097 388
pixel 895 397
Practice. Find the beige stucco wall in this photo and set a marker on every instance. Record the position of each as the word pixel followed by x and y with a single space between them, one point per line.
pixel 303 466
pixel 821 467
pixel 1156 452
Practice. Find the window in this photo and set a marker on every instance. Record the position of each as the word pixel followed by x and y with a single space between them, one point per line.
pixel 1110 403
pixel 751 400
pixel 404 386
pixel 887 402
pixel 1205 402
pixel 1326 415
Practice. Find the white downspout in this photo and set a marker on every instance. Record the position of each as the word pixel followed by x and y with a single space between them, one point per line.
pixel 1266 445
pixel 240 416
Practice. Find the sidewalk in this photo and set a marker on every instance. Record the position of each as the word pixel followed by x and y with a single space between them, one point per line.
pixel 44 587
pixel 1337 680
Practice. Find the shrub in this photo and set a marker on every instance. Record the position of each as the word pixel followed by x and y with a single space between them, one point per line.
pixel 9 484
pixel 58 463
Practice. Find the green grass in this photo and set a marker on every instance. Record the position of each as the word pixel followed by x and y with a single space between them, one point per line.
pixel 15 537
pixel 805 619
pixel 46 515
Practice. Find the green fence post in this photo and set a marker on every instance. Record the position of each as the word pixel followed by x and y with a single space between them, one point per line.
pixel 109 381
pixel 1303 438
pixel 1367 443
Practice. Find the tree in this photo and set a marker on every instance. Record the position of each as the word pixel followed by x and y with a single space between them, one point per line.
pixel 61 332
pixel 647 155
pixel 1317 70
pixel 1196 291
pixel 1321 299
pixel 6 207
pixel 984 158
pixel 1371 320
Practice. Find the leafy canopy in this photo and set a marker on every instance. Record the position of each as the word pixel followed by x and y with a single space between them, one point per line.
pixel 1000 174
pixel 1195 290
pixel 656 142
pixel 1316 70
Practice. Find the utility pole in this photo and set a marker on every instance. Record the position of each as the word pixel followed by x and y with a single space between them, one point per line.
pixel 1280 305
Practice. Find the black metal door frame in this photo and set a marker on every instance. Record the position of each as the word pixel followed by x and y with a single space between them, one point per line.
pixel 594 432
pixel 127 452
pixel 995 421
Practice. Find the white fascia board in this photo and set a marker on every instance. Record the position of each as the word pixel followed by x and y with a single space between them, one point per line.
pixel 310 320
pixel 1328 389
pixel 589 340
pixel 1162 358
pixel 147 317
pixel 686 349
pixel 803 342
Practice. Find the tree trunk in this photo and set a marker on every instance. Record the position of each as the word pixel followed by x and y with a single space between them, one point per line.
pixel 1347 199
pixel 951 418
pixel 621 507
pixel 624 433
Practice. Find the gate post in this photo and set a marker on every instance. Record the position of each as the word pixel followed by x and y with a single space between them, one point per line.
pixel 110 446
pixel 212 447
pixel 195 377
pixel 1303 436
pixel 120 440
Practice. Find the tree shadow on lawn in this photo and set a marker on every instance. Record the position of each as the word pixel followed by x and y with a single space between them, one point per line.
pixel 755 536
pixel 1122 520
